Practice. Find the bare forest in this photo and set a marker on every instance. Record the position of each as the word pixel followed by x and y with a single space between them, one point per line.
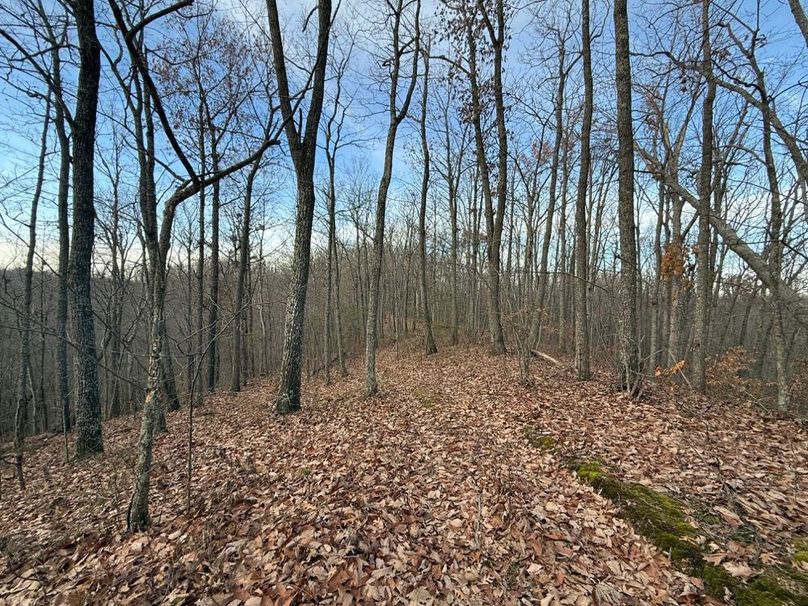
pixel 403 302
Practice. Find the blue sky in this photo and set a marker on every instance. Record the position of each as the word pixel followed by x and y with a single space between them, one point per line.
pixel 20 126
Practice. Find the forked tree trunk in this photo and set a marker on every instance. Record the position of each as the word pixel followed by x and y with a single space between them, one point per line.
pixel 543 277
pixel 302 147
pixel 395 116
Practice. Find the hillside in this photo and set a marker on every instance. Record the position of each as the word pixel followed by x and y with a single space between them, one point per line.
pixel 454 486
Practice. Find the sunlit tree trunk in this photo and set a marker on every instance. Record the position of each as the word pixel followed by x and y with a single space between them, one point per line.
pixel 581 274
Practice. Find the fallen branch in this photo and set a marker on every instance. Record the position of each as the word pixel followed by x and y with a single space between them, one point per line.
pixel 548 357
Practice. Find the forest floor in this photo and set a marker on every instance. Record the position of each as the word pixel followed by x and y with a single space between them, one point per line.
pixel 453 486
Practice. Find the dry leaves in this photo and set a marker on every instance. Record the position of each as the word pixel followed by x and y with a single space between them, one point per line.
pixel 426 494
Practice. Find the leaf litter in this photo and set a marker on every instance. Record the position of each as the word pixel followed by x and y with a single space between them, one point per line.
pixel 429 493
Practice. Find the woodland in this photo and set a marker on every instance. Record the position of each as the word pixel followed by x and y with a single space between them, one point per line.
pixel 403 302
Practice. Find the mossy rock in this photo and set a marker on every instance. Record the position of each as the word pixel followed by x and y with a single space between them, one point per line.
pixel 539 440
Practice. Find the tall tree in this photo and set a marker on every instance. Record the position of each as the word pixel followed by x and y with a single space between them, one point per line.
pixel 303 149
pixel 24 363
pixel 704 266
pixel 630 364
pixel 429 338
pixel 401 45
pixel 244 260
pixel 581 233
pixel 88 405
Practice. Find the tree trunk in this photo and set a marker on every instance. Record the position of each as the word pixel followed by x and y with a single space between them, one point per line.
pixel 396 116
pixel 244 259
pixel 200 261
pixel 62 372
pixel 539 313
pixel 88 408
pixel 138 514
pixel 213 309
pixel 24 362
pixel 303 152
pixel 703 254
pixel 429 339
pixel 581 313
pixel 288 399
pixel 630 371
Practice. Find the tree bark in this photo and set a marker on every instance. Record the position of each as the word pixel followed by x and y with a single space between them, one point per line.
pixel 62 203
pixel 213 309
pixel 395 116
pixel 703 254
pixel 631 370
pixel 543 278
pixel 24 362
pixel 582 367
pixel 303 152
pixel 244 259
pixel 88 409
pixel 429 338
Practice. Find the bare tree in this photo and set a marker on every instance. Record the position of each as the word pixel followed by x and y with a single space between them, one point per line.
pixel 302 148
pixel 704 277
pixel 403 42
pixel 429 338
pixel 88 405
pixel 581 232
pixel 630 371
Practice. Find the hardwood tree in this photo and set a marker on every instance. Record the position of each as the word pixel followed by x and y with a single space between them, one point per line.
pixel 302 148
pixel 88 404
pixel 405 40
pixel 630 364
pixel 429 339
pixel 582 366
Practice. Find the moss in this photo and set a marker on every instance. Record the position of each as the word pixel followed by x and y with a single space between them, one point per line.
pixel 656 515
pixel 801 550
pixel 773 587
pixel 591 471
pixel 745 534
pixel 716 579
pixel 703 514
pixel 424 398
pixel 539 440
pixel 789 583
pixel 661 519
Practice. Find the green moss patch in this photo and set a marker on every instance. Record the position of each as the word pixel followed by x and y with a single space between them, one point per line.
pixel 801 551
pixel 662 520
pixel 539 440
pixel 425 398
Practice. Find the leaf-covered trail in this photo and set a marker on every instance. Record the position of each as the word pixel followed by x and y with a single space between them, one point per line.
pixel 428 493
